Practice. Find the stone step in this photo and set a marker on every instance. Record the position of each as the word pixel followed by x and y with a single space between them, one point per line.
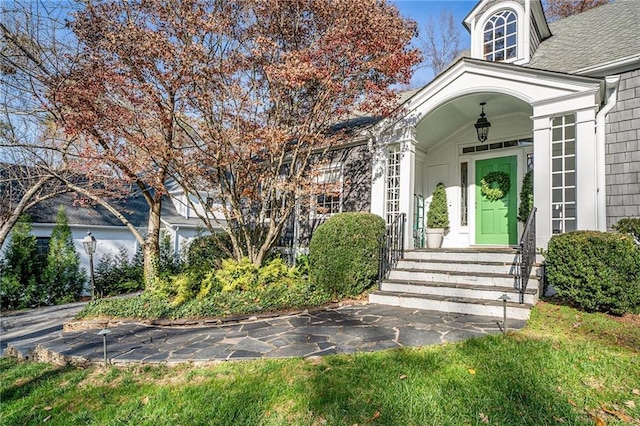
pixel 463 266
pixel 470 291
pixel 460 305
pixel 469 255
pixel 488 279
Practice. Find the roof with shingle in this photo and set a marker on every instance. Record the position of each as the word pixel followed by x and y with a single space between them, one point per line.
pixel 599 36
pixel 134 208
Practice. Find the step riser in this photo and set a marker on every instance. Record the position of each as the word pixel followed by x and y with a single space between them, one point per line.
pixel 485 294
pixel 418 276
pixel 462 267
pixel 465 256
pixel 446 306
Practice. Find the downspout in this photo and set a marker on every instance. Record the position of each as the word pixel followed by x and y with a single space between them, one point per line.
pixel 611 93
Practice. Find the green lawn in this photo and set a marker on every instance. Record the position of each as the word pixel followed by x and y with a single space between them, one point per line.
pixel 566 367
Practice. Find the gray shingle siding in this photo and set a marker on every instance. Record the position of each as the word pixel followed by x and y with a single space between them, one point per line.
pixel 623 151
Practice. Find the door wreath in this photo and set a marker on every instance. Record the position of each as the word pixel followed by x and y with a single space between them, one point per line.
pixel 497 193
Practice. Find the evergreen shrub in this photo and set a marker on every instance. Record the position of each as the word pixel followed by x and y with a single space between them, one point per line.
pixel 118 274
pixel 629 226
pixel 344 253
pixel 598 271
pixel 526 197
pixel 438 213
pixel 21 269
pixel 62 279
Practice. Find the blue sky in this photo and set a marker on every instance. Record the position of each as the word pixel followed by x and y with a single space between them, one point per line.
pixel 420 10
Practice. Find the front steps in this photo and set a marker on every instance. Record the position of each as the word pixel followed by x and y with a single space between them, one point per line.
pixel 466 281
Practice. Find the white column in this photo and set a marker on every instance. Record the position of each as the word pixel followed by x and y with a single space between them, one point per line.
pixel 542 178
pixel 586 170
pixel 407 182
pixel 379 180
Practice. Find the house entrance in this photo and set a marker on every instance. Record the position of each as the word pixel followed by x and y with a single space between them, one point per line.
pixel 496 219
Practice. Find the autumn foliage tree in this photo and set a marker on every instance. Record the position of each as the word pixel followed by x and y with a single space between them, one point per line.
pixel 234 100
pixel 282 81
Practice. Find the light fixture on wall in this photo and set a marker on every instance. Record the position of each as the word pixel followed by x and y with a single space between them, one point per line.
pixel 482 125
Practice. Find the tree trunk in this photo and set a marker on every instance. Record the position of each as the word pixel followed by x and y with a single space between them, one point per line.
pixel 151 249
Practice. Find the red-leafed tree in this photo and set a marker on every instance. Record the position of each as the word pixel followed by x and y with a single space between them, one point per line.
pixel 284 78
pixel 557 9
pixel 124 99
pixel 236 98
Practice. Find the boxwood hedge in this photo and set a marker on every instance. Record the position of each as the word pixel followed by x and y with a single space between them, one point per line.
pixel 344 253
pixel 598 271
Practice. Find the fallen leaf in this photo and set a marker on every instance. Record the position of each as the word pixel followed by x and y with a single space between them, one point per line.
pixel 636 391
pixel 576 324
pixel 403 376
pixel 630 404
pixel 46 419
pixel 598 420
pixel 48 408
pixel 621 416
pixel 376 415
pixel 145 400
pixel 572 402
pixel 471 371
pixel 483 418
pixel 559 419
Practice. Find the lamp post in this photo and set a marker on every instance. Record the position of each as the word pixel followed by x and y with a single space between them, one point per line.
pixel 89 243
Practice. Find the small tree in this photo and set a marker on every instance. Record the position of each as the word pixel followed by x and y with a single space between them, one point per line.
pixel 63 278
pixel 20 268
pixel 438 214
pixel 526 197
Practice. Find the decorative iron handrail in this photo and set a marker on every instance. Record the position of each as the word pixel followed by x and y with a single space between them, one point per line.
pixel 527 253
pixel 392 246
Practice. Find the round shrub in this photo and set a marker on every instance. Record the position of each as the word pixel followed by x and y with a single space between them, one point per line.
pixel 344 253
pixel 596 270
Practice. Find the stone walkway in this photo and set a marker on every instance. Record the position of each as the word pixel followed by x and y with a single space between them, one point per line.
pixel 357 328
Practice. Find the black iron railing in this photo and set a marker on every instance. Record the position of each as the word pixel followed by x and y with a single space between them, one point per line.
pixel 392 246
pixel 527 253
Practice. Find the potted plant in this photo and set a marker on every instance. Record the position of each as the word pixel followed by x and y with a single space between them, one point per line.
pixel 437 217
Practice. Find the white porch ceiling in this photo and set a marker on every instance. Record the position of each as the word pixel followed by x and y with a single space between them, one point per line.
pixel 454 120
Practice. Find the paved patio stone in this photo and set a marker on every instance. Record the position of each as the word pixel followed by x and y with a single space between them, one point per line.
pixel 343 330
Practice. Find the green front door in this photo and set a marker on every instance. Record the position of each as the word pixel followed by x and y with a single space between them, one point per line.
pixel 496 221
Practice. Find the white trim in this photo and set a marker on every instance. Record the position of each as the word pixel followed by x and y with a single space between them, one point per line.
pixel 612 67
pixel 477 36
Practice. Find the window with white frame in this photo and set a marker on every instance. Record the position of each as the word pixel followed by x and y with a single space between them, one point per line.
pixel 563 174
pixel 393 185
pixel 328 199
pixel 500 36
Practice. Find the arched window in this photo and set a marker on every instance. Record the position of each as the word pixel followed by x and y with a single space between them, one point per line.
pixel 500 36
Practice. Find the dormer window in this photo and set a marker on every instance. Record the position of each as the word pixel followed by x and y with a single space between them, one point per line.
pixel 501 36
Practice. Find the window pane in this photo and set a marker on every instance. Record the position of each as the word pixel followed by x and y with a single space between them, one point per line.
pixel 557 196
pixel 557 134
pixel 570 163
pixel 570 147
pixel 556 213
pixel 557 121
pixel 570 179
pixel 557 165
pixel 511 41
pixel 511 52
pixel 569 119
pixel 569 195
pixel 500 55
pixel 511 28
pixel 570 211
pixel 557 226
pixel 557 180
pixel 570 225
pixel 570 132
